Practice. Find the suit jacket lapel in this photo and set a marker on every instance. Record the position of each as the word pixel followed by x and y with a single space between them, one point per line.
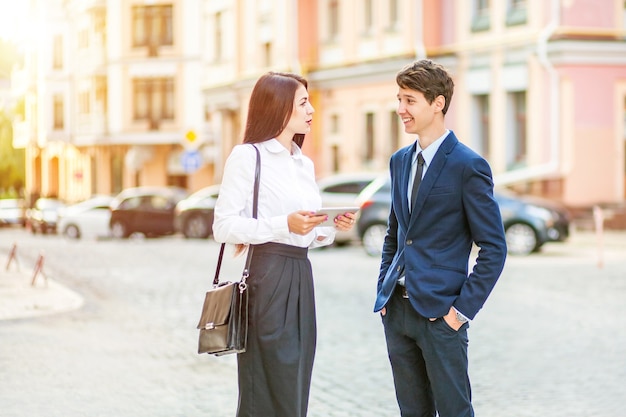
pixel 407 160
pixel 432 173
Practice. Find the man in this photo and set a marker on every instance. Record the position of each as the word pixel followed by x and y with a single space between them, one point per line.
pixel 425 295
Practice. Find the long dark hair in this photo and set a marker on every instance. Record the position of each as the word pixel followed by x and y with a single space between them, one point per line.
pixel 271 105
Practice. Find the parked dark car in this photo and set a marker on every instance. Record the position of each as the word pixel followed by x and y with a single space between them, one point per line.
pixel 43 216
pixel 193 216
pixel 529 222
pixel 12 212
pixel 145 210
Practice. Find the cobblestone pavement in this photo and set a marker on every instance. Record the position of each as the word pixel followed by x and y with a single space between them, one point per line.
pixel 549 341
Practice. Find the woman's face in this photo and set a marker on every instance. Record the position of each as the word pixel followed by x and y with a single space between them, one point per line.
pixel 302 114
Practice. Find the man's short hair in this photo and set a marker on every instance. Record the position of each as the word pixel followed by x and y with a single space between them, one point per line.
pixel 429 78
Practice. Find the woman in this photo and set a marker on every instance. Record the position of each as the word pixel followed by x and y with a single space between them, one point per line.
pixel 274 373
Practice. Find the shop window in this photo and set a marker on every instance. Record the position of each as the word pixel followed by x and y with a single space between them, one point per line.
pixel 394 131
pixel 517 140
pixel 481 124
pixel 369 137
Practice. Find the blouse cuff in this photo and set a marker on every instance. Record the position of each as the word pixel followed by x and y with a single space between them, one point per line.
pixel 279 226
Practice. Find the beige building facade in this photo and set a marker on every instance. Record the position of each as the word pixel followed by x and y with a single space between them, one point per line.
pixel 121 93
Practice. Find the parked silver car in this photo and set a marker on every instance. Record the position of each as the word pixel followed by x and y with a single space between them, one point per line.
pixel 342 190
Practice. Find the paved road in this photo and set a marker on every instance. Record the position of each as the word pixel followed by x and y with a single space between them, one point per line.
pixel 549 342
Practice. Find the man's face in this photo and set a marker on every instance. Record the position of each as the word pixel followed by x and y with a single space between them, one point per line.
pixel 416 113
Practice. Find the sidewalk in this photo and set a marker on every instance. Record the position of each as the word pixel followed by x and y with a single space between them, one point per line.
pixel 19 299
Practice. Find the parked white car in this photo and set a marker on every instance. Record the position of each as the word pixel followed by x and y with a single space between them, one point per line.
pixel 12 212
pixel 87 219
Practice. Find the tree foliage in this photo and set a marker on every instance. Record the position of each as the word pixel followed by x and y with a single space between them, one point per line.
pixel 12 161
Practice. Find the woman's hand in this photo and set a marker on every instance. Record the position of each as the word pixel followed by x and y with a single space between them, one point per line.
pixel 345 222
pixel 302 222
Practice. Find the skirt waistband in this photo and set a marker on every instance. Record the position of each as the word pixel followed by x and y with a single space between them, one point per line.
pixel 280 249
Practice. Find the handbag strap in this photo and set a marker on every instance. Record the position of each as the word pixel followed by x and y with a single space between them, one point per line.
pixel 255 208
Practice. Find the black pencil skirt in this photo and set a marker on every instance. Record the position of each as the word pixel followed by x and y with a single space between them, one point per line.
pixel 274 373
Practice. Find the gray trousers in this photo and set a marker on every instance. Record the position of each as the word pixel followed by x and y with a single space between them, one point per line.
pixel 274 373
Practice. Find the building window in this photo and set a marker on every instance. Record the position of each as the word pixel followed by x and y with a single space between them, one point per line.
pixel 99 22
pixel 83 38
pixel 333 19
pixel 368 17
pixel 152 27
pixel 335 157
pixel 394 131
pixel 83 103
pixel 393 14
pixel 516 13
pixel 481 125
pixel 57 112
pixel 101 93
pixel 517 140
pixel 480 15
pixel 267 54
pixel 153 100
pixel 57 52
pixel 117 173
pixel 369 137
pixel 218 36
pixel 334 123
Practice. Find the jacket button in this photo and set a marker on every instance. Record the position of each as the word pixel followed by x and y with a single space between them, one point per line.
pixel 409 242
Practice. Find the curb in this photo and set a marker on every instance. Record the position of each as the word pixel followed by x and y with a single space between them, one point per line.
pixel 20 299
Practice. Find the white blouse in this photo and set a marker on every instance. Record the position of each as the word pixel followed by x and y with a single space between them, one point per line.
pixel 287 184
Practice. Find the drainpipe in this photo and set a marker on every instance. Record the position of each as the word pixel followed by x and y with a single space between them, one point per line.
pixel 552 166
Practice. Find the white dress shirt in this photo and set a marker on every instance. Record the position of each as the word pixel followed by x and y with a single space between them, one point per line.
pixel 428 154
pixel 287 184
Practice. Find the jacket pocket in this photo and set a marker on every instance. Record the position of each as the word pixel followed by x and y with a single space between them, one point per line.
pixel 441 190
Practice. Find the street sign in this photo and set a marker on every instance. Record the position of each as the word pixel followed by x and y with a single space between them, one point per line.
pixel 191 136
pixel 191 161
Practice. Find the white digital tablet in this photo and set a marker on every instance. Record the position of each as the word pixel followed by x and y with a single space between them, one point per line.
pixel 333 212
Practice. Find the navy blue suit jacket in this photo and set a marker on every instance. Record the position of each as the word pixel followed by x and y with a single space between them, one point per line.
pixel 455 208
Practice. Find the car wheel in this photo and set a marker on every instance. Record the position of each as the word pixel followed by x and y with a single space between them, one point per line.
pixel 521 239
pixel 72 231
pixel 196 227
pixel 118 230
pixel 373 238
